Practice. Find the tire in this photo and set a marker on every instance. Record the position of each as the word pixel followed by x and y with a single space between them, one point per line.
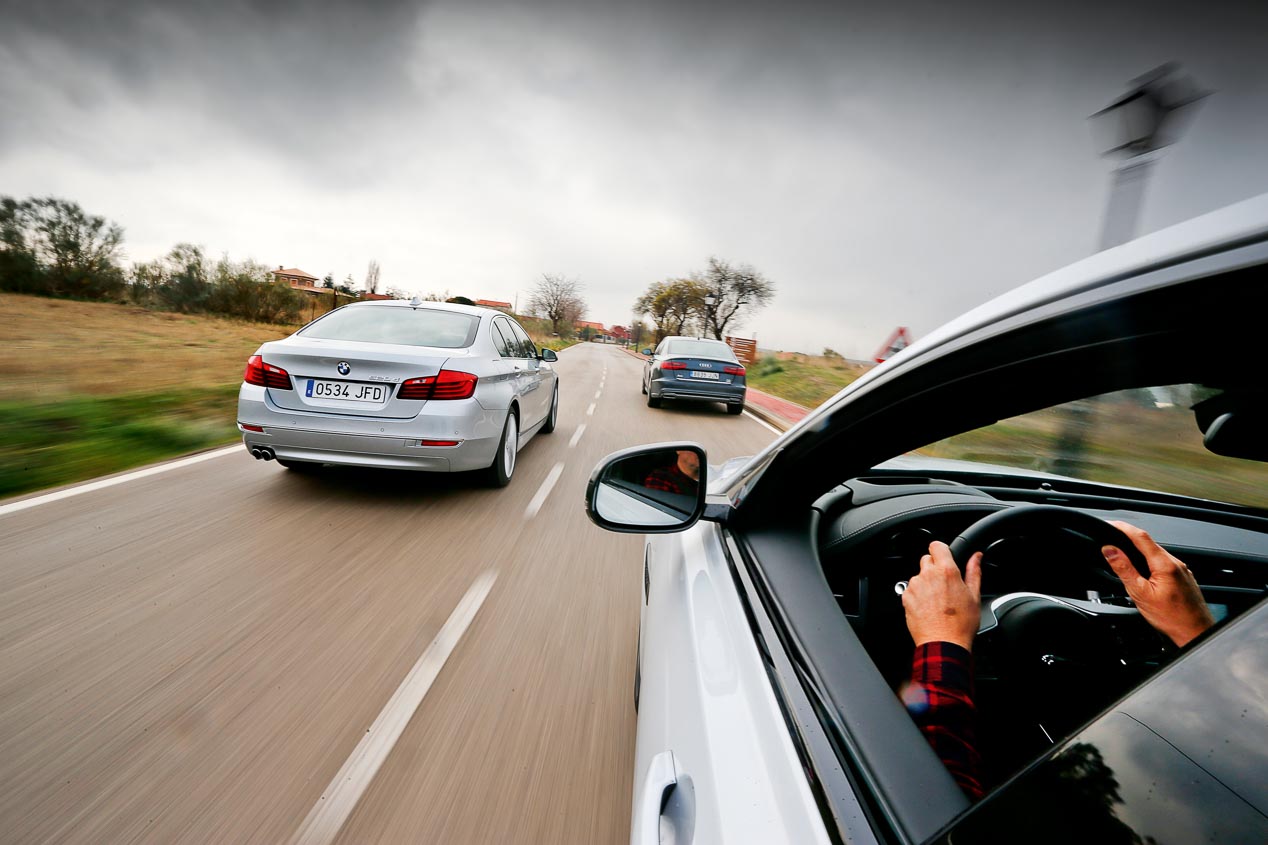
pixel 735 410
pixel 653 401
pixel 503 467
pixel 552 416
pixel 643 386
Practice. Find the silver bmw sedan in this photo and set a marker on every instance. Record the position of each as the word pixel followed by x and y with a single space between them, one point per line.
pixel 412 385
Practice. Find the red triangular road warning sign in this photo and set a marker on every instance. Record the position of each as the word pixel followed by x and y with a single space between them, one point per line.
pixel 899 340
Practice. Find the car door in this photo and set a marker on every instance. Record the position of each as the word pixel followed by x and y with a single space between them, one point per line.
pixel 714 762
pixel 509 346
pixel 538 379
pixel 649 371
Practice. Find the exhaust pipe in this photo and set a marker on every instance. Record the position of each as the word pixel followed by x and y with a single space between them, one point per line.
pixel 267 453
pixel 257 453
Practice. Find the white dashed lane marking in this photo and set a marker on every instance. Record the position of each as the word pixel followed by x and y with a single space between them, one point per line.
pixel 539 498
pixel 590 410
pixel 331 811
pixel 576 435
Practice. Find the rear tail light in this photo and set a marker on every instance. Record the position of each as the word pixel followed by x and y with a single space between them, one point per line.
pixel 673 365
pixel 733 371
pixel 446 384
pixel 266 375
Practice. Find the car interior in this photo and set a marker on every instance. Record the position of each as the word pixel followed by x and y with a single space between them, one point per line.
pixel 1060 640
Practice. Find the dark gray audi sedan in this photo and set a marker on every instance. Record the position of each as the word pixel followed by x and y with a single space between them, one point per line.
pixel 694 368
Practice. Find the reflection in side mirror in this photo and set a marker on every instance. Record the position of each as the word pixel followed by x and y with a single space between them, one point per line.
pixel 654 489
pixel 647 352
pixel 549 355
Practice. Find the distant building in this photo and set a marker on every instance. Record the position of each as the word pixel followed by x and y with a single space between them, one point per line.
pixel 493 303
pixel 581 325
pixel 375 297
pixel 298 279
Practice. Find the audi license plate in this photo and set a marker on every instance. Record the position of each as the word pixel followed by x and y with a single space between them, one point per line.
pixel 699 374
pixel 349 391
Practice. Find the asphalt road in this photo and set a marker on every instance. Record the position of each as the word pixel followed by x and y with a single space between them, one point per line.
pixel 226 651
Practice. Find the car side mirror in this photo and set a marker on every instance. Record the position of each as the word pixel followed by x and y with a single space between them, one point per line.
pixel 647 352
pixel 656 489
pixel 549 355
pixel 1233 424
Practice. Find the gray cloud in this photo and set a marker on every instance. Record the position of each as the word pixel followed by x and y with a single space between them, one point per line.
pixel 884 166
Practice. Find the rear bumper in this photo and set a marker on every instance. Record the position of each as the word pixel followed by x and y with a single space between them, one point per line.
pixel 671 387
pixel 369 442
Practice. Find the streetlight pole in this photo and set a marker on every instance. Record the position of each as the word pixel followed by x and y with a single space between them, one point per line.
pixel 1135 128
pixel 709 301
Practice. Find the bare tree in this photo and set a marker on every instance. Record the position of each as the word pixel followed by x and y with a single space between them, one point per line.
pixel 372 277
pixel 559 300
pixel 738 289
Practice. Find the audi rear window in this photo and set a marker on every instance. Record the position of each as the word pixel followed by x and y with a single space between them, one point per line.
pixel 405 326
pixel 701 349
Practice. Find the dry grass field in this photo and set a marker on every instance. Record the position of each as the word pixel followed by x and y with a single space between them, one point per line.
pixel 93 388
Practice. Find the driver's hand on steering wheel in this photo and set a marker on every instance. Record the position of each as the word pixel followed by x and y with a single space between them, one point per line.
pixel 940 605
pixel 1169 598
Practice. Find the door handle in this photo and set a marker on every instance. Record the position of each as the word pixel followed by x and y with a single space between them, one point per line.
pixel 658 786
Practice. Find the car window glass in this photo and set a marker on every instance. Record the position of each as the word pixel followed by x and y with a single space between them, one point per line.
pixel 700 349
pixel 526 343
pixel 499 339
pixel 1144 438
pixel 392 324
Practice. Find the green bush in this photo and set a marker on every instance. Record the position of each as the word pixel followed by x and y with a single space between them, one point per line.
pixel 768 366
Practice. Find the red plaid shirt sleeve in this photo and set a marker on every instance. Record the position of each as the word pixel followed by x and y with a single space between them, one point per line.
pixel 662 479
pixel 940 699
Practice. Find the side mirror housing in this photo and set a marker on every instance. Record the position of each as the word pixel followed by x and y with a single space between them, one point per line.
pixel 655 489
pixel 647 352
pixel 549 355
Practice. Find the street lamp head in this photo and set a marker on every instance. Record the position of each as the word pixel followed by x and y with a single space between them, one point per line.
pixel 710 300
pixel 1147 117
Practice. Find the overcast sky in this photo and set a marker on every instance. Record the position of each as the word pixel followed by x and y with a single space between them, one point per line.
pixel 884 164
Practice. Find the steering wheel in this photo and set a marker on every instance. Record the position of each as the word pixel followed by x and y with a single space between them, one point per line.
pixel 1055 654
pixel 1039 519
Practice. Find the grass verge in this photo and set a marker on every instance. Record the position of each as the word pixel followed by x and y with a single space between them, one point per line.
pixel 52 443
pixel 808 380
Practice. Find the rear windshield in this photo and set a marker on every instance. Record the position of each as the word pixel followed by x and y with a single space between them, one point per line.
pixel 701 349
pixel 407 326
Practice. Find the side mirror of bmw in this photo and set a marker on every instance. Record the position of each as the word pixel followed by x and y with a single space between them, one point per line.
pixel 648 352
pixel 549 355
pixel 657 489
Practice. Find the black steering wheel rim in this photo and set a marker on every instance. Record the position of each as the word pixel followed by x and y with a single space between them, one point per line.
pixel 1024 519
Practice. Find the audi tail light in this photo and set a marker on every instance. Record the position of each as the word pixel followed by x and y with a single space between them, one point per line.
pixel 446 384
pixel 266 375
pixel 733 370
pixel 673 365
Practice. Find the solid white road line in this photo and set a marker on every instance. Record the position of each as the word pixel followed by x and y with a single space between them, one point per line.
pixel 590 410
pixel 576 435
pixel 539 498
pixel 14 507
pixel 340 798
pixel 762 422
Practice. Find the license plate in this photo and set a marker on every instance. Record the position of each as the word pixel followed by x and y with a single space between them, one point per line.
pixel 347 391
pixel 699 374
